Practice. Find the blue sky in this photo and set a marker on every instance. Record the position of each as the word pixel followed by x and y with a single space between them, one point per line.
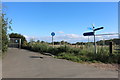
pixel 69 20
pixel 60 0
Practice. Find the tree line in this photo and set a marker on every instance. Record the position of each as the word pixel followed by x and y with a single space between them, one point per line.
pixel 115 41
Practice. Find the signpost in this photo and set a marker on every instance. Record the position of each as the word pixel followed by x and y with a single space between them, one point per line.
pixel 93 34
pixel 53 34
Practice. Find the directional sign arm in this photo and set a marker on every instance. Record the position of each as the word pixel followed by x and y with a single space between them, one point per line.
pixel 98 28
pixel 88 34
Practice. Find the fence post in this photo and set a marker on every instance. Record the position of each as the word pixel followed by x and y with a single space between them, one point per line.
pixel 20 43
pixel 110 49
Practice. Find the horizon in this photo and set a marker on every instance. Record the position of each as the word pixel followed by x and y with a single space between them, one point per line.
pixel 69 20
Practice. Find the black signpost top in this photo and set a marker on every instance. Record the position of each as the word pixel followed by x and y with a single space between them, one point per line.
pixel 88 34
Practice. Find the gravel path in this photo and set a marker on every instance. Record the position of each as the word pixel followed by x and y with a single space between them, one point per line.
pixel 21 63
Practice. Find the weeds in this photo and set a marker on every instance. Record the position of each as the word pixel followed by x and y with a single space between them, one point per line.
pixel 85 54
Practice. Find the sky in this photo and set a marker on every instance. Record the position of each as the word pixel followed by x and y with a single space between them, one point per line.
pixel 60 0
pixel 69 20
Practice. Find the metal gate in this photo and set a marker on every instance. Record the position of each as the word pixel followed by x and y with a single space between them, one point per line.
pixel 15 43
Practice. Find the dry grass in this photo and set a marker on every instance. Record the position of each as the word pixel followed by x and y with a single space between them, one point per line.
pixel 103 66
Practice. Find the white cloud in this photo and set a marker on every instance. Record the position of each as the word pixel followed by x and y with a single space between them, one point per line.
pixel 60 32
pixel 73 35
pixel 31 37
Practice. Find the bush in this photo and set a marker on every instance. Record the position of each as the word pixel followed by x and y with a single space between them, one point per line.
pixel 37 47
pixel 53 51
pixel 63 49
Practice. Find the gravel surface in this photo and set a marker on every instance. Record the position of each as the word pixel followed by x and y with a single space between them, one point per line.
pixel 112 67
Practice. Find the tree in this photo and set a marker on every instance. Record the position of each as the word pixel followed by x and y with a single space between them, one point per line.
pixel 16 35
pixel 56 43
pixel 42 41
pixel 5 27
pixel 38 41
pixel 62 42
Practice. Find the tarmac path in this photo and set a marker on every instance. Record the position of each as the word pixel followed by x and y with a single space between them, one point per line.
pixel 20 63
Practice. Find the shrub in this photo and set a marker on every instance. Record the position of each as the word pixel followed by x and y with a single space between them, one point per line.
pixel 63 49
pixel 53 51
pixel 37 47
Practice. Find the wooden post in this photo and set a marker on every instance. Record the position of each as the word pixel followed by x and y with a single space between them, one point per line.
pixel 110 48
pixel 95 44
pixel 20 43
